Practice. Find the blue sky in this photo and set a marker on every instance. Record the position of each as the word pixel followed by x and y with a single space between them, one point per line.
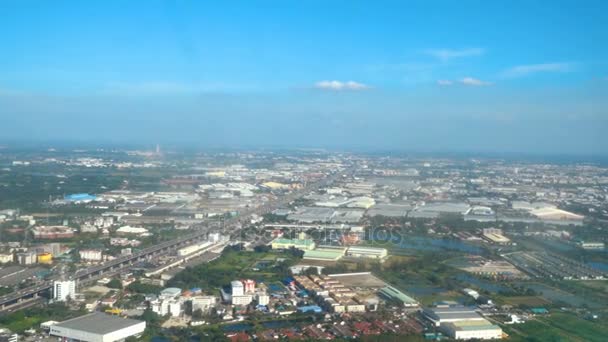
pixel 477 76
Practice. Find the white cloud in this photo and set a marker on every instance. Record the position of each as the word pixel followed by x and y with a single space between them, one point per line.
pixel 339 85
pixel 470 81
pixel 446 54
pixel 445 82
pixel 524 70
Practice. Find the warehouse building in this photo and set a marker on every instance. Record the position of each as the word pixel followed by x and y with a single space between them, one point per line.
pixel 98 327
pixel 449 314
pixel 472 329
pixel 325 253
pixel 367 252
pixel 392 293
pixel 461 323
pixel 303 244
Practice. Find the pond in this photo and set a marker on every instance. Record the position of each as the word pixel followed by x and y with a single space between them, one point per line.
pixel 557 295
pixel 430 244
pixel 601 266
pixel 239 327
pixel 277 324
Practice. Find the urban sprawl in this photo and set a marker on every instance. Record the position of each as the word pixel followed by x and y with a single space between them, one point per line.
pixel 125 245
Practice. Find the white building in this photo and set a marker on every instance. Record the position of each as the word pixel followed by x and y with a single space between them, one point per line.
pixel 64 289
pixel 26 258
pixel 263 299
pixel 242 300
pixel 98 327
pixel 367 252
pixel 170 293
pixel 90 255
pixel 164 307
pixel 237 288
pixel 6 257
pixel 175 308
pixel 131 230
pixel 203 303
pixel 472 329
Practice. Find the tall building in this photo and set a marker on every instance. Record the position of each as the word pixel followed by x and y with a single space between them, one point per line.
pixel 26 258
pixel 249 285
pixel 237 288
pixel 62 289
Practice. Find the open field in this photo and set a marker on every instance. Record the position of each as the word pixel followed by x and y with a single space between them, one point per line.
pixel 571 327
pixel 233 265
pixel 525 300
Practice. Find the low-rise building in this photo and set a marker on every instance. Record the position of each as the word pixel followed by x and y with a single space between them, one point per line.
pixel 97 327
pixel 26 258
pixel 6 258
pixel 303 244
pixel 472 329
pixel 392 293
pixel 203 303
pixel 242 300
pixel 90 255
pixel 52 232
pixel 367 252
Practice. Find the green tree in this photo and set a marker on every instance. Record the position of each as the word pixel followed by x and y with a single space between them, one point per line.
pixel 115 284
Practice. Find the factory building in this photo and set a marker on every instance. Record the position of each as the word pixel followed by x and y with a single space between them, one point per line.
pixel 325 253
pixel 472 329
pixel 367 252
pixel 460 322
pixel 97 327
pixel 392 293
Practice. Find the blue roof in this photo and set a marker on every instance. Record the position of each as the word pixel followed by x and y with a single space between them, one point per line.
pixel 307 308
pixel 80 197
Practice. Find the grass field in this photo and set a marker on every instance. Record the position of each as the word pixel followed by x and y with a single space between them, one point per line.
pixel 559 326
pixel 524 300
pixel 230 266
pixel 596 285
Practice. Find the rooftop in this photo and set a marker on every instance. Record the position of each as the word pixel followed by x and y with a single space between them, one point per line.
pixel 98 323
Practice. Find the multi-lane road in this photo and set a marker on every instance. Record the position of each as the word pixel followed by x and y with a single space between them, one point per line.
pixel 16 300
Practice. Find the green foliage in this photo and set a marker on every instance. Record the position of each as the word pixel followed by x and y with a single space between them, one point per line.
pixel 138 287
pixel 115 284
pixel 32 317
pixel 233 264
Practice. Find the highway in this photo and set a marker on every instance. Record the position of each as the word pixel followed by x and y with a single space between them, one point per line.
pixel 11 301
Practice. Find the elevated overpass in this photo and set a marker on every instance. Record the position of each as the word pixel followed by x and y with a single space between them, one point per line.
pixel 94 272
pixel 15 300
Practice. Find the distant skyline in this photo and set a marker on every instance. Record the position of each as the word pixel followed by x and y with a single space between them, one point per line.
pixel 428 76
